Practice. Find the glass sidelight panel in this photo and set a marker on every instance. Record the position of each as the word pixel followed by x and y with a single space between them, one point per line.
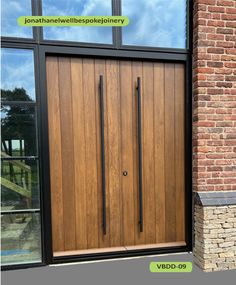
pixel 19 185
pixel 18 125
pixel 17 77
pixel 101 35
pixel 20 238
pixel 10 11
pixel 155 23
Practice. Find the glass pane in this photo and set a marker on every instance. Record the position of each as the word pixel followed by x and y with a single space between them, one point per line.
pixel 17 77
pixel 19 185
pixel 11 10
pixel 20 238
pixel 18 130
pixel 155 23
pixel 78 8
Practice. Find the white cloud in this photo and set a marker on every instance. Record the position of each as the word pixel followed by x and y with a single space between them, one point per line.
pixel 10 11
pixel 82 34
pixel 18 73
pixel 155 22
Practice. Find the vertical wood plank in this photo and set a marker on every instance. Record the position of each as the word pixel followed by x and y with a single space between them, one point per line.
pixel 67 152
pixel 104 240
pixel 79 152
pixel 55 153
pixel 179 152
pixel 91 153
pixel 170 207
pixel 114 171
pixel 137 71
pixel 148 153
pixel 159 157
pixel 126 98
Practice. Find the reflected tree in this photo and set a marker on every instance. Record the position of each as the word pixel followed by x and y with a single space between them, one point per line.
pixel 18 121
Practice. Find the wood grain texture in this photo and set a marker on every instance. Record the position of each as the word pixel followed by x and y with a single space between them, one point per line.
pixel 179 151
pixel 126 97
pixel 55 153
pixel 79 152
pixel 91 153
pixel 170 206
pixel 67 148
pixel 148 153
pixel 137 71
pixel 114 148
pixel 75 154
pixel 159 150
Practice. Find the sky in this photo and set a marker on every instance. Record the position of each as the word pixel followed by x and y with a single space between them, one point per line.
pixel 159 23
pixel 18 70
pixel 10 11
pixel 156 23
pixel 78 8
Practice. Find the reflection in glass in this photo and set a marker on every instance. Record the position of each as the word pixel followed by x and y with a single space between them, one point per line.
pixel 18 130
pixel 17 76
pixel 10 11
pixel 155 23
pixel 78 8
pixel 19 184
pixel 20 238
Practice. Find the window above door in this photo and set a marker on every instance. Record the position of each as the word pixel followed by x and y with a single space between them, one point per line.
pixel 158 25
pixel 155 23
pixel 102 35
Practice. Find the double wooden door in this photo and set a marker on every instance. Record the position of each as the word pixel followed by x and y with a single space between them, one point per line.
pixel 116 137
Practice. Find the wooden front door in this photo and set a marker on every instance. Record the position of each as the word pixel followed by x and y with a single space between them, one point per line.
pixel 141 142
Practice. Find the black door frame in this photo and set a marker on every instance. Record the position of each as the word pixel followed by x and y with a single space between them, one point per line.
pixel 45 51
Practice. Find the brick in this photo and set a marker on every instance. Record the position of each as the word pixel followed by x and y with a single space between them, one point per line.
pixel 231 24
pixel 229 3
pixel 214 129
pixel 224 84
pixel 216 9
pixel 215 23
pixel 231 10
pixel 207 2
pixel 215 50
pixel 230 64
pixel 214 91
pixel 228 17
pixel 215 64
pixel 224 31
pixel 215 37
pixel 225 44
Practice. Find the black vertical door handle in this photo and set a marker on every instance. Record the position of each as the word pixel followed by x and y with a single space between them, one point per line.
pixel 140 174
pixel 101 99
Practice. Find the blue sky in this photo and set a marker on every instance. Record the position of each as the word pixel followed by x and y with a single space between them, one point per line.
pixel 18 70
pixel 78 8
pixel 159 23
pixel 10 11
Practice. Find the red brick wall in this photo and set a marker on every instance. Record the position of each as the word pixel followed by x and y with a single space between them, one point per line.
pixel 214 90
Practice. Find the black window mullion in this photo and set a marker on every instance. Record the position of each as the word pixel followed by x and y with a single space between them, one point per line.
pixel 35 12
pixel 116 11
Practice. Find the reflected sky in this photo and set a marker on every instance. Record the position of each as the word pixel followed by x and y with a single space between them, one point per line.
pixel 10 11
pixel 157 23
pixel 78 8
pixel 18 70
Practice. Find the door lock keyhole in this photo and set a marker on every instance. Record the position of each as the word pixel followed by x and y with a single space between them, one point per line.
pixel 125 173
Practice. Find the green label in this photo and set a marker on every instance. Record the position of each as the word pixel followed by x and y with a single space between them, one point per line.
pixel 30 21
pixel 171 267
